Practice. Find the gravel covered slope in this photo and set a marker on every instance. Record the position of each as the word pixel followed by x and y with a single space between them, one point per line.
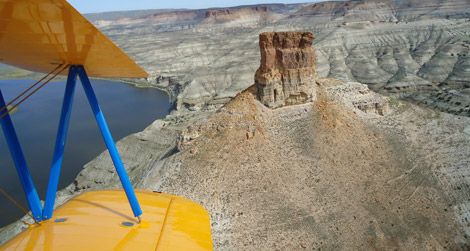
pixel 324 175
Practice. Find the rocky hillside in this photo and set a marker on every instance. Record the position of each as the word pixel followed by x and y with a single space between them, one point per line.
pixel 417 50
pixel 331 174
pixel 321 176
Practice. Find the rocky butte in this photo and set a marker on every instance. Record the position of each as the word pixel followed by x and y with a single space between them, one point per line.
pixel 287 74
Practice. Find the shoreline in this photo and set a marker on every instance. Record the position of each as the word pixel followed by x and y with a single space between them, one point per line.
pixel 142 84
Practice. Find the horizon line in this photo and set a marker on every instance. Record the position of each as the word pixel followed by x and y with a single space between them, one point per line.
pixel 215 7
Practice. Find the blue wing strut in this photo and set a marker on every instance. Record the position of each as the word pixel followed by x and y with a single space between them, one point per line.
pixel 34 203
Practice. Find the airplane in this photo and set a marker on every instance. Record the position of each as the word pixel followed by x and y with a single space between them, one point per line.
pixel 51 37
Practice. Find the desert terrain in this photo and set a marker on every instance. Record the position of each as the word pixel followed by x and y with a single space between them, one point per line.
pixel 378 158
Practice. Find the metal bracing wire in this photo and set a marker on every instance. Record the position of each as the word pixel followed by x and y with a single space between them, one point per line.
pixel 29 88
pixel 11 105
pixel 16 203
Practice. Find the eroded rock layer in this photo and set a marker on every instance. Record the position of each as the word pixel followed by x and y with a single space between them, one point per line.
pixel 414 50
pixel 286 75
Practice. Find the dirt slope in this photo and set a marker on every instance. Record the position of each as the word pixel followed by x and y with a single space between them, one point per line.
pixel 310 176
pixel 333 174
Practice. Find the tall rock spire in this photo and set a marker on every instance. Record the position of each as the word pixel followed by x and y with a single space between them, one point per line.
pixel 287 73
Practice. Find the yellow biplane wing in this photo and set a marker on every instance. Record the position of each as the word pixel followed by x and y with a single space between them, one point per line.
pixel 99 221
pixel 38 35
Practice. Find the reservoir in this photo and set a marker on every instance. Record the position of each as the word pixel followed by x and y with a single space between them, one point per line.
pixel 127 110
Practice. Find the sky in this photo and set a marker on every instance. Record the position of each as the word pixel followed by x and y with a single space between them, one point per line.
pixel 93 6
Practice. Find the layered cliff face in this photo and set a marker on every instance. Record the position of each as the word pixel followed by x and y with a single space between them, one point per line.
pixel 229 14
pixel 286 75
pixel 418 50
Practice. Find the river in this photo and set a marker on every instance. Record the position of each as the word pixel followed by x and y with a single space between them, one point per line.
pixel 126 108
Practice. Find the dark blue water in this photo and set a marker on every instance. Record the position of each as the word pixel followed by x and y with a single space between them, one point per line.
pixel 127 110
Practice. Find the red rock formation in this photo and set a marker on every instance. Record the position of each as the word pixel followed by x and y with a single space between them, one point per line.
pixel 217 12
pixel 233 11
pixel 286 75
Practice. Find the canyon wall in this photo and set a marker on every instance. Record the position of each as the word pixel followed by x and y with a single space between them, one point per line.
pixel 414 50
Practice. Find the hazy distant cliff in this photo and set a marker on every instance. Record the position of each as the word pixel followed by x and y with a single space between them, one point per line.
pixel 413 49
